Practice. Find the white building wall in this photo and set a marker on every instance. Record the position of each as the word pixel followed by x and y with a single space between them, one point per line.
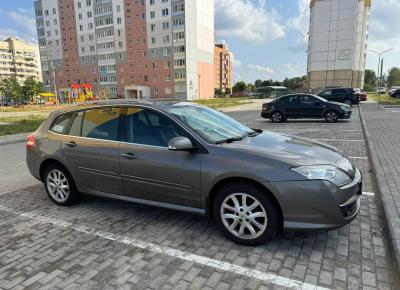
pixel 52 29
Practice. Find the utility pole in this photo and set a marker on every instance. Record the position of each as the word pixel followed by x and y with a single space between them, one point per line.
pixel 54 84
pixel 380 68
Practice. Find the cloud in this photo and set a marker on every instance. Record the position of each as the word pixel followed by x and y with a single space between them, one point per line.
pixel 300 24
pixel 293 70
pixel 247 21
pixel 384 25
pixel 263 71
pixel 22 18
pixel 237 63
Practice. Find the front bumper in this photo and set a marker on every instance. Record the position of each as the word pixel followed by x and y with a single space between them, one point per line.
pixel 345 115
pixel 315 205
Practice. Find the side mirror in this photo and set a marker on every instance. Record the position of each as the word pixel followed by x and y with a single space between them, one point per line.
pixel 180 144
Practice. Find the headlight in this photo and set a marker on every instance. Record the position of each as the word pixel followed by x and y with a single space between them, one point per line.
pixel 324 172
pixel 345 108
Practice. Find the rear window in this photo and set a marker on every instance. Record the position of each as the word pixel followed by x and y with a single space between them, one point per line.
pixel 101 124
pixel 60 123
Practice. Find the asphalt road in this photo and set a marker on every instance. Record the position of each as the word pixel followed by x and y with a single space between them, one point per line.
pixel 107 244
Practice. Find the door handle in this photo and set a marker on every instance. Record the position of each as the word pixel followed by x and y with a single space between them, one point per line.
pixel 71 144
pixel 129 155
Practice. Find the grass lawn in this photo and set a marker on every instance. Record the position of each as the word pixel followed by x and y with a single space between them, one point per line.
pixel 28 108
pixel 15 125
pixel 384 99
pixel 219 103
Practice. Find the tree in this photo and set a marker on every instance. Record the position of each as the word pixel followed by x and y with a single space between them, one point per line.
pixel 29 90
pixel 10 88
pixel 393 77
pixel 370 77
pixel 239 87
pixel 258 83
pixel 218 92
pixel 251 87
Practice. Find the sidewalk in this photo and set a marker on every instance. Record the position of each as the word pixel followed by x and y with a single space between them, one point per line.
pixel 254 106
pixel 382 128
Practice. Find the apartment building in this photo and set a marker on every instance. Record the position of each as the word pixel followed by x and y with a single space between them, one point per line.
pixel 223 59
pixel 19 59
pixel 337 43
pixel 128 48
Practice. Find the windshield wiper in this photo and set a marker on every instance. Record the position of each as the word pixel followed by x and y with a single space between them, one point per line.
pixel 230 140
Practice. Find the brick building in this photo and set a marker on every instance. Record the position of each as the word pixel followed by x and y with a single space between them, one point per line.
pixel 128 48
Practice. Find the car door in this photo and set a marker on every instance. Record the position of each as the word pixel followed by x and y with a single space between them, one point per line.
pixel 292 106
pixel 91 150
pixel 151 171
pixel 311 107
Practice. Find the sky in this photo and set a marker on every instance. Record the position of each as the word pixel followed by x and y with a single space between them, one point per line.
pixel 267 37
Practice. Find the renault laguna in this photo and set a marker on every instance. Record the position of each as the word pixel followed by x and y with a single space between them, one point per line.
pixel 188 157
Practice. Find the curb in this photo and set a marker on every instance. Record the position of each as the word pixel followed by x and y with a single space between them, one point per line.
pixel 389 207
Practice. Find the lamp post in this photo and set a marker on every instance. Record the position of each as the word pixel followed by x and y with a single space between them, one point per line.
pixel 379 77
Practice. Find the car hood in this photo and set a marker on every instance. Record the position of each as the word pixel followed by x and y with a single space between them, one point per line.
pixel 293 149
pixel 337 104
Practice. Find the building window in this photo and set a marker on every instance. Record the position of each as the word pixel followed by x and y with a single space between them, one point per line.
pixel 153 40
pixel 152 27
pixel 152 14
pixel 152 2
pixel 165 12
pixel 88 3
pixel 168 91
pixel 156 91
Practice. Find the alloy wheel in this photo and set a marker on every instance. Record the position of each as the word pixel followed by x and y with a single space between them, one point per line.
pixel 244 216
pixel 331 117
pixel 276 117
pixel 57 185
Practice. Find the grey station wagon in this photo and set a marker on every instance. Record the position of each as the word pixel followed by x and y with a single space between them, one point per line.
pixel 184 156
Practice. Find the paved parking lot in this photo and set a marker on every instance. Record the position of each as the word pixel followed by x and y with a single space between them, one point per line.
pixel 107 244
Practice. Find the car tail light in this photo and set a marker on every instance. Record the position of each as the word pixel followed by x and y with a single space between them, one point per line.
pixel 30 142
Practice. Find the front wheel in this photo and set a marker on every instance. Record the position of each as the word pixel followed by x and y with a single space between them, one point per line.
pixel 331 117
pixel 277 117
pixel 245 214
pixel 59 185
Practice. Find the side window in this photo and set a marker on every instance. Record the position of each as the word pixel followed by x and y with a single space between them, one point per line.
pixel 151 128
pixel 60 123
pixel 76 125
pixel 293 100
pixel 101 123
pixel 326 93
pixel 308 100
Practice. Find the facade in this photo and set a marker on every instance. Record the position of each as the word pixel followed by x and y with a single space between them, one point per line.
pixel 19 59
pixel 128 48
pixel 337 43
pixel 223 60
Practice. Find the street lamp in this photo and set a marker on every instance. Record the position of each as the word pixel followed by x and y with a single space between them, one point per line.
pixel 379 78
pixel 379 62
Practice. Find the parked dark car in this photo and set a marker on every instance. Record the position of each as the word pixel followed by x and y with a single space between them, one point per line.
pixel 347 96
pixel 395 93
pixel 188 157
pixel 301 106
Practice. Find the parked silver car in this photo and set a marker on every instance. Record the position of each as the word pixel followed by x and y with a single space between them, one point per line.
pixel 188 157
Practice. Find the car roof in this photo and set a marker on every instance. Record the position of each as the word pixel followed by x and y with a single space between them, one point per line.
pixel 156 103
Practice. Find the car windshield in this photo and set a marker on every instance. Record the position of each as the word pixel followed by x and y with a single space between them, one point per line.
pixel 212 125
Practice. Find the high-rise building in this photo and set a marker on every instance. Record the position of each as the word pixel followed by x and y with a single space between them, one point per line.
pixel 223 59
pixel 128 48
pixel 19 59
pixel 337 43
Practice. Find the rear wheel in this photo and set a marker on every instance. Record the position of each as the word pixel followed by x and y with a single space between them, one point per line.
pixel 277 117
pixel 348 102
pixel 331 117
pixel 59 185
pixel 245 214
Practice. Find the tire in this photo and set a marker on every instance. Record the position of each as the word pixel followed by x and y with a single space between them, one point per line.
pixel 331 116
pixel 59 185
pixel 246 230
pixel 348 102
pixel 277 117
